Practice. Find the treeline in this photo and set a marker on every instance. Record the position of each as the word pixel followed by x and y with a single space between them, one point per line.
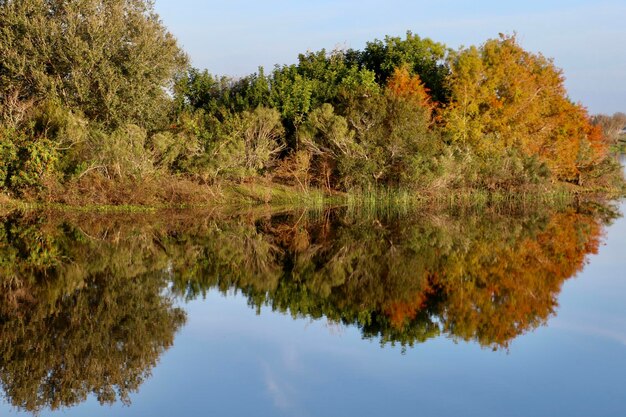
pixel 102 98
pixel 614 129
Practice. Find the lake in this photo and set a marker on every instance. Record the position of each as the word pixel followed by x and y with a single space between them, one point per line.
pixel 510 311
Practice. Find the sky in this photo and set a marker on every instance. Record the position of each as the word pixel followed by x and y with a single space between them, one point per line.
pixel 587 39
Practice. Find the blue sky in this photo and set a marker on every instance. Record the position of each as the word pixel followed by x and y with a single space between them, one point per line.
pixel 586 38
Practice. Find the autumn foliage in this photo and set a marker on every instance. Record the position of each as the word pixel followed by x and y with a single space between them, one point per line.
pixel 504 97
pixel 402 84
pixel 507 290
pixel 493 292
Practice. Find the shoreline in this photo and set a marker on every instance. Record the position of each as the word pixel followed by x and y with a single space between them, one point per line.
pixel 242 196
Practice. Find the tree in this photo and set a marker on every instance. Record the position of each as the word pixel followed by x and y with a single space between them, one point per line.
pixel 109 59
pixel 612 126
pixel 243 144
pixel 195 89
pixel 392 130
pixel 409 87
pixel 504 97
pixel 423 57
pixel 327 137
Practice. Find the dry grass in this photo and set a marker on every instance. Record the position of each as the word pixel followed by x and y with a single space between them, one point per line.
pixel 4 199
pixel 96 189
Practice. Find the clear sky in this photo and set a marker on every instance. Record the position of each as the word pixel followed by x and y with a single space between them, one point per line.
pixel 233 37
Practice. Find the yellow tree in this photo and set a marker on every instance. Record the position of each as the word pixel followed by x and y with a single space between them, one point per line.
pixel 504 97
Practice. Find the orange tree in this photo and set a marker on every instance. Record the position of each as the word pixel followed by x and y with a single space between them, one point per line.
pixel 503 97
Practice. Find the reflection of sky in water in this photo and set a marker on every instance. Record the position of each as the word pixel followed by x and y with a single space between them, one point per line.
pixel 227 361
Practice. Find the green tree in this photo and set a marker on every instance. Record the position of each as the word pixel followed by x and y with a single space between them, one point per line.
pixel 392 128
pixel 109 59
pixel 331 144
pixel 423 56
pixel 217 95
pixel 242 144
pixel 318 78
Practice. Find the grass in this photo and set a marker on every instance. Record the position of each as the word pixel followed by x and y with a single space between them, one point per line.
pixel 234 197
pixel 475 198
pixel 275 194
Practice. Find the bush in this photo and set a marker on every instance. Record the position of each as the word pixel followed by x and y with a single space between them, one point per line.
pixel 461 167
pixel 26 162
pixel 121 154
pixel 242 145
pixel 8 154
pixel 329 141
pixel 173 151
pixel 294 170
pixel 394 130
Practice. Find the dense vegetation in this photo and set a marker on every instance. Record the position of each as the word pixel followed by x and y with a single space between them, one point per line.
pixel 614 129
pixel 98 104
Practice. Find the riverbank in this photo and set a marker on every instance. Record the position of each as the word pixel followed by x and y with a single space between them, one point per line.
pixel 171 193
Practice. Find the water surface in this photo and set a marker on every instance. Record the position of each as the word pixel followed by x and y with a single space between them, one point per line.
pixel 508 312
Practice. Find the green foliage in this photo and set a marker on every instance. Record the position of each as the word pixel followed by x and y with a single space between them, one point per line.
pixel 243 144
pixel 8 154
pixel 425 57
pixel 174 151
pixel 292 94
pixel 26 162
pixel 37 159
pixel 393 133
pixel 97 95
pixel 333 76
pixel 462 168
pixel 110 60
pixel 219 95
pixel 331 144
pixel 67 130
pixel 121 154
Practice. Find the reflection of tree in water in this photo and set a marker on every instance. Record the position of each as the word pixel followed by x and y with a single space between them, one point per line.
pixel 78 318
pixel 86 304
pixel 486 278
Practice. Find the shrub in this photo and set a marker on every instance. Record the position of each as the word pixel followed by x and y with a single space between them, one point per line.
pixel 121 154
pixel 329 141
pixel 173 151
pixel 242 145
pixel 462 167
pixel 8 155
pixel 294 170
pixel 26 162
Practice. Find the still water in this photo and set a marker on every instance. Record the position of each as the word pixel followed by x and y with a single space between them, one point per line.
pixel 517 312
